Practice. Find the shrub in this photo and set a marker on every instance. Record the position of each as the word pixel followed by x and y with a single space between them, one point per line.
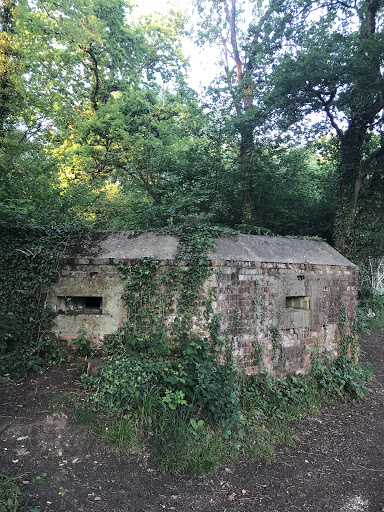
pixel 9 493
pixel 122 382
pixel 370 309
pixel 217 392
pixel 342 378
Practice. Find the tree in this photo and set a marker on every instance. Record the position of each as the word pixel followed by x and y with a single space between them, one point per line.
pixel 89 83
pixel 110 133
pixel 335 68
pixel 247 49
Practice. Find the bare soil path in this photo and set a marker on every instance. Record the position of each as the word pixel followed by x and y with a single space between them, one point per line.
pixel 337 466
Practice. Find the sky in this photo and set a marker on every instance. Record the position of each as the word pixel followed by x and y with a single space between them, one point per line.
pixel 202 60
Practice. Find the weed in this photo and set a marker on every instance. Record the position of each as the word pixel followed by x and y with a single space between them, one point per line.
pixel 40 479
pixel 9 493
pixel 63 404
pixel 181 445
pixel 119 435
pixel 83 347
pixel 147 406
pixel 83 415
pixel 34 253
pixel 62 401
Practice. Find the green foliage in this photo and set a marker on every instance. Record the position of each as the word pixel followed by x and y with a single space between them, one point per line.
pixel 83 347
pixel 119 435
pixel 370 309
pixel 83 415
pixel 174 398
pixel 188 377
pixel 188 371
pixel 30 257
pixel 9 493
pixel 342 378
pixel 300 176
pixel 178 445
pixel 151 290
pixel 333 71
pixel 160 384
pixel 217 392
pixel 228 417
pixel 122 382
pixel 61 403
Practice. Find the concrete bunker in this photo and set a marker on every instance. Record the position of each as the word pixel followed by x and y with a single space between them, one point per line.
pixel 285 293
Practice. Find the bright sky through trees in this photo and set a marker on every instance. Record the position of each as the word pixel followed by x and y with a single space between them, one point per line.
pixel 203 68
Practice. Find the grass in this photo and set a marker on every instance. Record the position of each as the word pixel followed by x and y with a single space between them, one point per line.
pixel 119 435
pixel 175 446
pixel 68 404
pixel 63 403
pixel 188 438
pixel 83 415
pixel 9 493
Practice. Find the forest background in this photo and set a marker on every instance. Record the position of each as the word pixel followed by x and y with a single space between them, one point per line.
pixel 99 127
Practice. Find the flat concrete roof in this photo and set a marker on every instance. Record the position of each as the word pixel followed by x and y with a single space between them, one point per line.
pixel 278 250
pixel 138 244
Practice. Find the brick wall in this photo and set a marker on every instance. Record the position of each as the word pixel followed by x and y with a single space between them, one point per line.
pixel 251 299
pixel 257 294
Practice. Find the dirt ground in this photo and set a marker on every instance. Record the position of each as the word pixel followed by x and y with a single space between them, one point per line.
pixel 337 465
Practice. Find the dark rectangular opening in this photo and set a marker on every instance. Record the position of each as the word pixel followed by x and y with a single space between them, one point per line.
pixel 92 302
pixel 298 302
pixel 79 305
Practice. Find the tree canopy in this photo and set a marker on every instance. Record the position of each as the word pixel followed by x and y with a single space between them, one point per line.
pixel 98 125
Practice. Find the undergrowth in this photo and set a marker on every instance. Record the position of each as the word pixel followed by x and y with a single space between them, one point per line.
pixel 9 493
pixel 145 413
pixel 370 309
pixel 30 257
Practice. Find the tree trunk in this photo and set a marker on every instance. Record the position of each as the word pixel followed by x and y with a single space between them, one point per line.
pixel 348 170
pixel 246 148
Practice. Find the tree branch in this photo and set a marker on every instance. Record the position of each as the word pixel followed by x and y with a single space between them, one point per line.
pixel 231 20
pixel 370 20
pixel 375 108
pixel 94 68
pixel 229 83
pixel 149 140
pixel 257 33
pixel 326 104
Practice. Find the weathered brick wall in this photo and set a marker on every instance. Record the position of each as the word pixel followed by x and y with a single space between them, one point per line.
pixel 250 300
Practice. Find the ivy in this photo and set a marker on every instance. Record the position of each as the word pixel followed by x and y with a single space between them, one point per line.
pixel 347 343
pixel 257 352
pixel 30 257
pixel 154 293
pixel 168 306
pixel 277 341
